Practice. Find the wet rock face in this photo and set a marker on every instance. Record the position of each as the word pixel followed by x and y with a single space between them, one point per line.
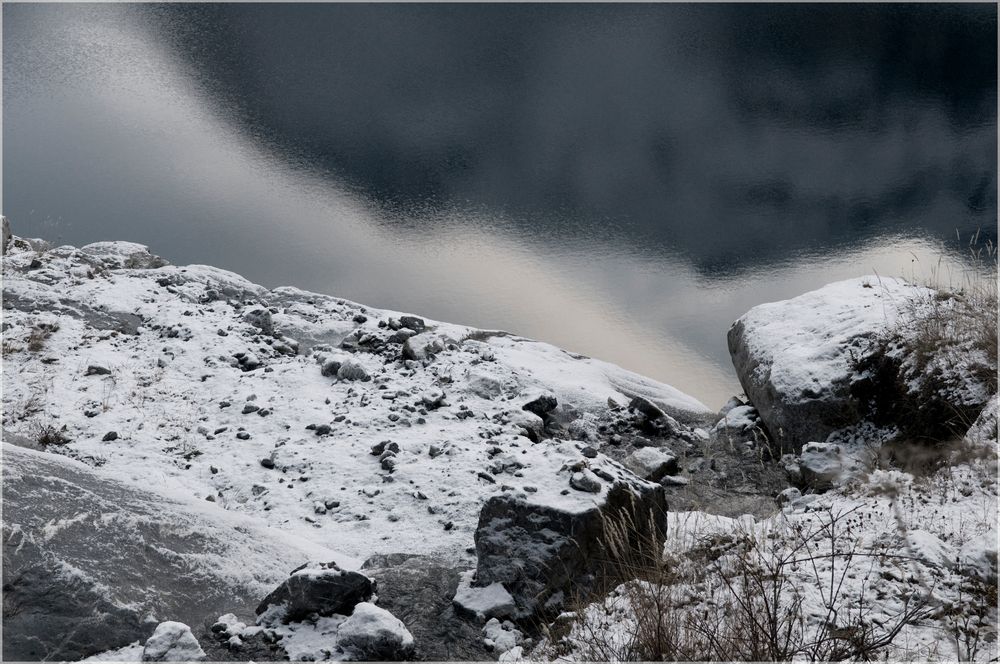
pixel 49 615
pixel 323 589
pixel 545 554
pixel 114 533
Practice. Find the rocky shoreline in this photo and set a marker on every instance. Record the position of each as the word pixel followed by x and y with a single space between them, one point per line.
pixel 238 473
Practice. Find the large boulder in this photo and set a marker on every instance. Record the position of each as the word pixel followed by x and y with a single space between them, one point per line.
pixel 858 351
pixel 549 550
pixel 322 589
pixel 83 573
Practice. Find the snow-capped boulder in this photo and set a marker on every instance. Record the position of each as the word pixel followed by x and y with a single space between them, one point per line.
pixel 374 634
pixel 321 588
pixel 851 352
pixel 172 642
pixel 543 549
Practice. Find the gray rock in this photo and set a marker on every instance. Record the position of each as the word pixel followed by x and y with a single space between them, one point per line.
pixel 261 319
pixel 127 560
pixel 351 370
pixel 419 590
pixel 323 589
pixel 421 347
pixel 586 481
pixel 543 554
pixel 109 436
pixel 821 465
pixel 654 418
pixel 412 323
pixel 651 463
pixel 330 368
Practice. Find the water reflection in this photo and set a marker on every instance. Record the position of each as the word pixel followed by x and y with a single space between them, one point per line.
pixel 619 181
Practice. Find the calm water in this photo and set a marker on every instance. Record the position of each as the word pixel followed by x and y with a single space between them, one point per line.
pixel 623 181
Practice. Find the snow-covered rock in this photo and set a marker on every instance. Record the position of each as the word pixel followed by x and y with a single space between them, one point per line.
pixel 487 602
pixel 318 588
pixel 850 352
pixel 172 642
pixel 375 634
pixel 651 463
pixel 543 547
pixel 821 465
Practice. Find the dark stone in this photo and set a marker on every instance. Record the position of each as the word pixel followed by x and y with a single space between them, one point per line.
pixel 324 590
pixel 250 408
pixel 109 436
pixel 541 406
pixel 330 368
pixel 413 323
pixel 419 591
pixel 94 370
pixel 544 555
pixel 267 462
pixel 323 430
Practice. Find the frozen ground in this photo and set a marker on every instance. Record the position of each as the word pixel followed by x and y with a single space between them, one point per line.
pixel 355 431
pixel 190 419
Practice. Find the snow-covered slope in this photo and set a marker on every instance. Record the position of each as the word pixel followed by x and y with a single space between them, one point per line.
pixel 193 381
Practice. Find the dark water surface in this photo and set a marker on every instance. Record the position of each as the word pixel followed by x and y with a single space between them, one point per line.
pixel 621 180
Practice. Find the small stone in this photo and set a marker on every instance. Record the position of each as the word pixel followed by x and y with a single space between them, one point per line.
pixel 330 368
pixel 351 370
pixel 267 462
pixel 585 480
pixel 323 430
pixel 95 370
pixel 243 435
pixel 109 436
pixel 413 323
pixel 541 406
pixel 250 408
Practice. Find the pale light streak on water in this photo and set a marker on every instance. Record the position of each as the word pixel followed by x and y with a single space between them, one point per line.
pixel 108 135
